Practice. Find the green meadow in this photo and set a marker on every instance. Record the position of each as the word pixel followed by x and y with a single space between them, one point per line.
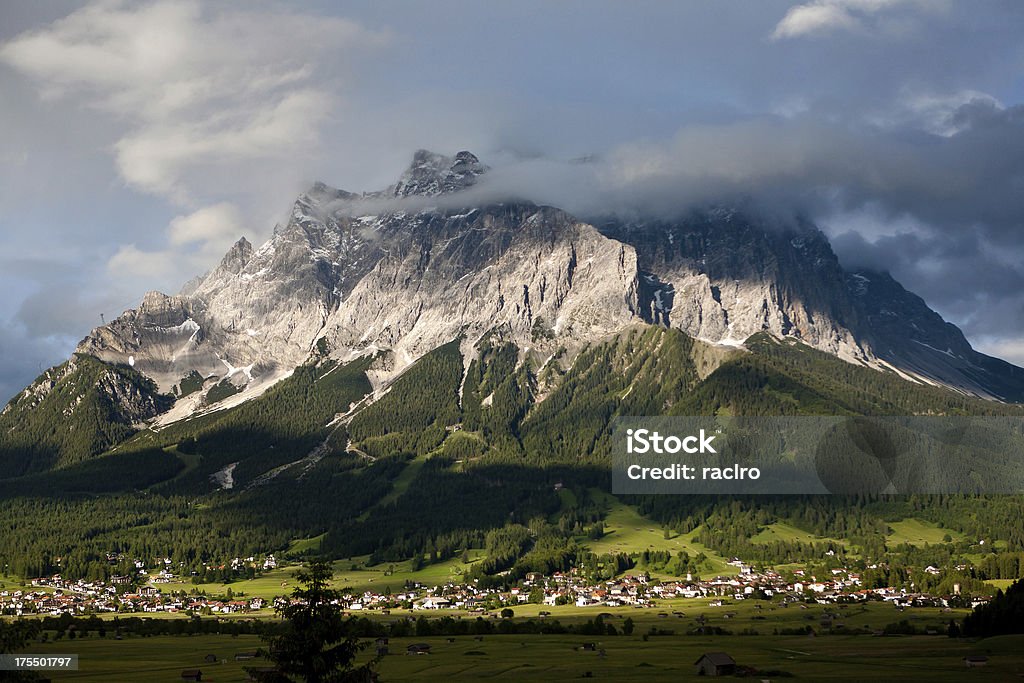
pixel 156 659
pixel 918 532
pixel 640 656
pixel 351 575
pixel 839 658
pixel 781 531
pixel 627 531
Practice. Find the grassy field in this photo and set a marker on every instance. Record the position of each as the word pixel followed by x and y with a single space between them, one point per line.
pixel 395 574
pixel 840 658
pixel 766 618
pixel 13 583
pixel 918 532
pixel 556 657
pixel 301 545
pixel 400 485
pixel 160 658
pixel 781 531
pixel 683 615
pixel 270 584
pixel 356 580
pixel 626 531
pixel 190 460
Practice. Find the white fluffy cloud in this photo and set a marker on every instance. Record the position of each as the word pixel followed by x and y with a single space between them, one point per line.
pixel 201 89
pixel 194 241
pixel 214 224
pixel 204 102
pixel 827 16
pixel 130 262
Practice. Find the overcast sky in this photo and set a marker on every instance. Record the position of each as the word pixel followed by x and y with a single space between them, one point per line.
pixel 141 139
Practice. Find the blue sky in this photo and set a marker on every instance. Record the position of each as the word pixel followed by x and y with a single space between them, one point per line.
pixel 143 138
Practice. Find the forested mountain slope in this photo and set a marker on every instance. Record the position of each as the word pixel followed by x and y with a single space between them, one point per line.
pixel 452 448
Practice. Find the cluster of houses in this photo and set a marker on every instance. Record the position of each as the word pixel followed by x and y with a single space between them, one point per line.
pixel 139 590
pixel 639 590
pixel 56 596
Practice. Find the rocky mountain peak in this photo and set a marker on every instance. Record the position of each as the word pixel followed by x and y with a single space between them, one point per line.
pixel 322 193
pixel 190 287
pixel 238 255
pixel 432 174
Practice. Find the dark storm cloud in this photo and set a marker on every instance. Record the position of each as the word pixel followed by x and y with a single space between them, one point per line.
pixel 33 354
pixel 964 275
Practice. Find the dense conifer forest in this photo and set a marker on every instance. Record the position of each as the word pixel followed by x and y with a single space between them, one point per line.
pixel 500 452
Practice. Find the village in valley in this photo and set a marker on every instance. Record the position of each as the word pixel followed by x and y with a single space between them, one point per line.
pixel 160 590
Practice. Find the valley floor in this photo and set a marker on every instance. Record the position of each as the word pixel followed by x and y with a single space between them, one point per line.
pixel 640 656
pixel 561 657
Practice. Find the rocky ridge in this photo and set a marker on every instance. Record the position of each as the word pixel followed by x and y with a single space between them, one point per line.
pixel 354 274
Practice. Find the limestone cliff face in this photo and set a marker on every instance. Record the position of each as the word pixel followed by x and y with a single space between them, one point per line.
pixel 534 275
pixel 721 276
pixel 161 338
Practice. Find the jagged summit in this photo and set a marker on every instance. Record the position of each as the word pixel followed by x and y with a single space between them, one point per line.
pixel 429 174
pixel 238 255
pixel 432 174
pixel 321 191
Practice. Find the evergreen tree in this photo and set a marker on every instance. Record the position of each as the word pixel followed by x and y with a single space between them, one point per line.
pixel 1003 615
pixel 315 646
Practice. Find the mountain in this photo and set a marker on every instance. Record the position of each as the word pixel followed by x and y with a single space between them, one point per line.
pixel 389 278
pixel 722 276
pixel 907 335
pixel 76 410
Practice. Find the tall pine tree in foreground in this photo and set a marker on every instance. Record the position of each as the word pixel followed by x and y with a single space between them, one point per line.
pixel 315 646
